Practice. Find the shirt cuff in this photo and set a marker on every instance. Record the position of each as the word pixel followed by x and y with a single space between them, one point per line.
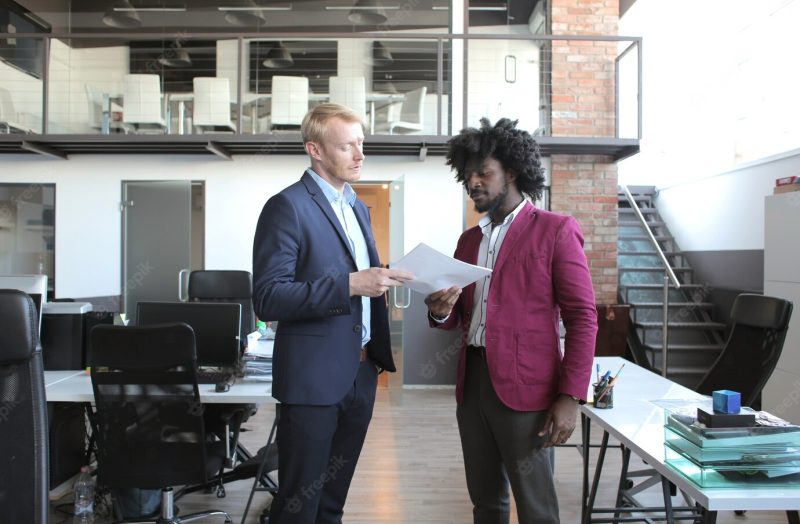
pixel 437 319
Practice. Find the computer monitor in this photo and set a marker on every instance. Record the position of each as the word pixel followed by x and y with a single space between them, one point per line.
pixel 215 325
pixel 33 285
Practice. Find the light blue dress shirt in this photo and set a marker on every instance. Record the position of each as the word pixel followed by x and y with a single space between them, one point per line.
pixel 342 205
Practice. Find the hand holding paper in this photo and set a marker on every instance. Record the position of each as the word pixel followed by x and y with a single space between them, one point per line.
pixel 434 271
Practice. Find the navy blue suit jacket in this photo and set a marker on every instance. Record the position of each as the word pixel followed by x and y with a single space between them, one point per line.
pixel 301 266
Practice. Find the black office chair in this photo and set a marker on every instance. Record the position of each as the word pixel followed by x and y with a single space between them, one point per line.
pixel 753 347
pixel 211 285
pixel 23 412
pixel 149 419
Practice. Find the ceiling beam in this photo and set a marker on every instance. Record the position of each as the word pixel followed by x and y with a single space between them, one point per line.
pixel 35 147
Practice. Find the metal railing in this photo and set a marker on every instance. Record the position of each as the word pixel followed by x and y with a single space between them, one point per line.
pixel 669 276
pixel 462 82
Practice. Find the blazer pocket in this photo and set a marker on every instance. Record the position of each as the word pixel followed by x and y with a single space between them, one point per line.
pixel 537 358
pixel 316 328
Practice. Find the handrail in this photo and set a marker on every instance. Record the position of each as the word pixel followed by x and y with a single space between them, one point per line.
pixel 669 274
pixel 653 240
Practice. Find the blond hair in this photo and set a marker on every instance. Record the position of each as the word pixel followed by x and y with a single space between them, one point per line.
pixel 315 122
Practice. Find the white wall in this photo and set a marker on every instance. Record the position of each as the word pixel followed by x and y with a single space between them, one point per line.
pixel 88 194
pixel 713 108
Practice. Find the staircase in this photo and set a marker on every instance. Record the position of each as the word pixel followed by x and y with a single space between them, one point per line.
pixel 694 339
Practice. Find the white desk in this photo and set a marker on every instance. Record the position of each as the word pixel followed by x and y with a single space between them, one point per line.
pixel 77 387
pixel 639 425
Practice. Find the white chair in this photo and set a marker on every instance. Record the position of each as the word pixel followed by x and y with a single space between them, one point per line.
pixel 143 109
pixel 212 104
pixel 411 113
pixel 289 102
pixel 349 91
pixel 96 107
pixel 10 119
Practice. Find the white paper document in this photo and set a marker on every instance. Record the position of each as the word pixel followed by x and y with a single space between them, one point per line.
pixel 433 270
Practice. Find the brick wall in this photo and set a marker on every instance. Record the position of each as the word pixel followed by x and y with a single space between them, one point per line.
pixel 585 186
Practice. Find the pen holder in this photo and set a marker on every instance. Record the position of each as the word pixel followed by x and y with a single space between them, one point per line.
pixel 603 399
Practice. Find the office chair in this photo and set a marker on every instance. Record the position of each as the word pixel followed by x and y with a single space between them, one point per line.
pixel 96 110
pixel 289 102
pixel 227 286
pixel 411 113
pixel 149 418
pixel 753 347
pixel 143 108
pixel 10 119
pixel 24 486
pixel 349 91
pixel 212 104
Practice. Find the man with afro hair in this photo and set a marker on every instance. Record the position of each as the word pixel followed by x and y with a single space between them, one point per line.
pixel 517 391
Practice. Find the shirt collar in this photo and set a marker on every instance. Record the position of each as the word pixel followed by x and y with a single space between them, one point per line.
pixel 330 192
pixel 486 222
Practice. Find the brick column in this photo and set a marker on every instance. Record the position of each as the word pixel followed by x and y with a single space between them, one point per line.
pixel 585 186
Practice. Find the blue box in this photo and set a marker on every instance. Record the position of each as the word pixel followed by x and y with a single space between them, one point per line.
pixel 726 401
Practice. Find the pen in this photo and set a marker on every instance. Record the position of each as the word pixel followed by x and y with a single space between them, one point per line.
pixel 610 385
pixel 598 372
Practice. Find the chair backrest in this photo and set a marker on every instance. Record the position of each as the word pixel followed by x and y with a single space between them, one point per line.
pixel 413 104
pixel 349 91
pixel 210 285
pixel 142 99
pixel 289 100
pixel 753 347
pixel 95 101
pixel 24 486
pixel 212 101
pixel 150 431
pixel 7 112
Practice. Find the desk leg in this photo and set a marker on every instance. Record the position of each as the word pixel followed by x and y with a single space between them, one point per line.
pixel 372 117
pixel 598 469
pixel 585 432
pixel 181 111
pixel 792 517
pixel 665 487
pixel 623 480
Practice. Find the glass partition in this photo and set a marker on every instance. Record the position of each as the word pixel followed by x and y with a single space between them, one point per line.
pixel 27 229
pixel 400 84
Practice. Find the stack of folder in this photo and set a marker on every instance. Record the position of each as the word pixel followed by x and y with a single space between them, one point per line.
pixel 766 454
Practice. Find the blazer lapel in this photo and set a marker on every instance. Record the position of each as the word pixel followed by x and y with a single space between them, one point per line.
pixel 325 206
pixel 518 227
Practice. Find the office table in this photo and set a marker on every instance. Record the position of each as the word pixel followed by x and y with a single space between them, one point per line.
pixel 76 386
pixel 638 425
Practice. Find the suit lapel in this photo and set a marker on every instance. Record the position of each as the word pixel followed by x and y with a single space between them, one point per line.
pixel 471 248
pixel 325 206
pixel 515 232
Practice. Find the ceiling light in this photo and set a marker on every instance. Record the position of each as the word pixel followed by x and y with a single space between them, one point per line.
pixel 122 15
pixel 274 7
pixel 381 56
pixel 278 58
pixel 175 58
pixel 248 14
pixel 366 12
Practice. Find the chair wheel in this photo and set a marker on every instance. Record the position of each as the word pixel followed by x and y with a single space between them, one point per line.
pixel 628 484
pixel 220 492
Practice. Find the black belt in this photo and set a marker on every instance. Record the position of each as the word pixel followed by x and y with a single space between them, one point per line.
pixel 479 350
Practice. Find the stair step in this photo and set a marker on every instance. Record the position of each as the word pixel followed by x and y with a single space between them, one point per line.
pixel 682 325
pixel 648 269
pixel 687 347
pixel 658 305
pixel 652 253
pixel 643 237
pixel 660 286
pixel 645 211
pixel 631 223
pixel 681 370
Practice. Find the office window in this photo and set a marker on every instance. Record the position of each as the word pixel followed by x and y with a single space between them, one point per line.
pixel 176 61
pixel 27 229
pixel 315 59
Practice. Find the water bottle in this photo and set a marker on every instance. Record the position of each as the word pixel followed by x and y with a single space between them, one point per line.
pixel 84 498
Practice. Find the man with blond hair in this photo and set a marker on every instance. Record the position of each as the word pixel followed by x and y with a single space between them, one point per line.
pixel 316 271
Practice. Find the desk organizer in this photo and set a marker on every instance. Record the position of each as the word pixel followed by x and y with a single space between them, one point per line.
pixel 731 457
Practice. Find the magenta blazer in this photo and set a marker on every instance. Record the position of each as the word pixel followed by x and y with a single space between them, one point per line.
pixel 541 271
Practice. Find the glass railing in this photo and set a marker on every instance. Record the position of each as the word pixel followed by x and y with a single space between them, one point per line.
pixel 256 84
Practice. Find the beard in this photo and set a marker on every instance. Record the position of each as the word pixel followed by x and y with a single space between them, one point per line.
pixel 491 205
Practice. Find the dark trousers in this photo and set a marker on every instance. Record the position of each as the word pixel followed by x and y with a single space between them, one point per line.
pixel 501 447
pixel 318 447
